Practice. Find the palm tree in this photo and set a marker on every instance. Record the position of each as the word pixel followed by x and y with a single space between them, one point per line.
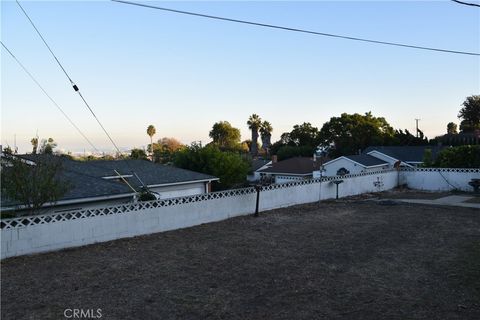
pixel 34 143
pixel 151 132
pixel 266 134
pixel 254 123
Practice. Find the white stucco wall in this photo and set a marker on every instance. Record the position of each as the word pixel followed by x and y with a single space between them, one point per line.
pixel 99 225
pixel 42 237
pixel 285 179
pixel 354 168
pixel 180 190
pixel 439 179
pixel 58 231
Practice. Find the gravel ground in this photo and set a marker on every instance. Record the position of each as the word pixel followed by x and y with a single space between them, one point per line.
pixel 349 259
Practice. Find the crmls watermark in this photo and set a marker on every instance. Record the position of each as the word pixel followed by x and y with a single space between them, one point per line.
pixel 82 313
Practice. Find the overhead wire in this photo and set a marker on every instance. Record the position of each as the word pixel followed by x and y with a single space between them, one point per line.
pixel 49 97
pixel 76 89
pixel 467 3
pixel 260 24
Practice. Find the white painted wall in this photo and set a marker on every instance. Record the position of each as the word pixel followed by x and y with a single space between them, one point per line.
pixel 180 190
pixel 72 233
pixel 285 179
pixel 439 179
pixel 332 168
pixel 41 237
pixel 66 233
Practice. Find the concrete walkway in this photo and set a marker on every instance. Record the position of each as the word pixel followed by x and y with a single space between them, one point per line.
pixel 458 201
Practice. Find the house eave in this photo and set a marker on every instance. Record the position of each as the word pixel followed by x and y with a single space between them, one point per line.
pixel 360 164
pixel 182 182
pixel 289 174
pixel 74 201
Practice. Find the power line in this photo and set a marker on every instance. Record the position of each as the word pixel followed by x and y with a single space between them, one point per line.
pixel 259 24
pixel 75 87
pixel 467 3
pixel 45 42
pixel 49 97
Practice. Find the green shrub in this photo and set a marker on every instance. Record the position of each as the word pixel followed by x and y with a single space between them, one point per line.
pixel 459 157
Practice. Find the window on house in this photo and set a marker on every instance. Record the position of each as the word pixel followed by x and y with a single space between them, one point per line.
pixel 342 172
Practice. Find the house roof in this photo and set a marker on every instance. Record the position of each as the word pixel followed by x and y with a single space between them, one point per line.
pixel 86 178
pixel 258 163
pixel 150 173
pixel 405 153
pixel 295 166
pixel 366 160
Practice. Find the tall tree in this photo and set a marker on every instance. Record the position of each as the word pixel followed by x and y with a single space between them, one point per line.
pixel 254 122
pixel 452 128
pixel 139 154
pixel 350 133
pixel 34 185
pixel 266 136
pixel 151 132
pixel 405 138
pixel 304 135
pixel 302 141
pixel 225 136
pixel 165 148
pixel 470 113
pixel 34 143
pixel 47 146
pixel 228 166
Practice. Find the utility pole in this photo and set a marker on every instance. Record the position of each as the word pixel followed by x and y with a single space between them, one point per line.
pixel 416 131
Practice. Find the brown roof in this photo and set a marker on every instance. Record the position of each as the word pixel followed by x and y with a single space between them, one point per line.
pixel 298 165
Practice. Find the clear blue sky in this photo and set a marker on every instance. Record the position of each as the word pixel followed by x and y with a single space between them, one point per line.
pixel 138 66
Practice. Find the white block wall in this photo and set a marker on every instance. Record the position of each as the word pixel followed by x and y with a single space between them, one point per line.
pixel 48 236
pixel 72 233
pixel 284 197
pixel 439 179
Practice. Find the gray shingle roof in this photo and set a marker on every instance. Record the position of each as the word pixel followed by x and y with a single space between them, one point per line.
pixel 86 177
pixel 297 165
pixel 150 173
pixel 366 160
pixel 405 153
pixel 258 163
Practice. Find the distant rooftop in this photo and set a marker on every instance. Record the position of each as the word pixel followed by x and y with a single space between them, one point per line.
pixel 405 153
pixel 297 165
pixel 87 177
pixel 366 160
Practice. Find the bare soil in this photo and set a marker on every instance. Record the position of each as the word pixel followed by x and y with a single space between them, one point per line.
pixel 348 259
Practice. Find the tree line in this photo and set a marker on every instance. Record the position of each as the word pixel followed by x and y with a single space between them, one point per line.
pixel 229 158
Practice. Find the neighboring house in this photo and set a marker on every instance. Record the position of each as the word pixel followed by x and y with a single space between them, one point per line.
pixel 352 165
pixel 95 183
pixel 256 166
pixel 409 156
pixel 289 170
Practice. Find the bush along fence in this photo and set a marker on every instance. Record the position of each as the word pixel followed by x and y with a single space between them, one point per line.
pixel 34 234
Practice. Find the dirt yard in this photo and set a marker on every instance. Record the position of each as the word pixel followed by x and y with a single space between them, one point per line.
pixel 351 259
